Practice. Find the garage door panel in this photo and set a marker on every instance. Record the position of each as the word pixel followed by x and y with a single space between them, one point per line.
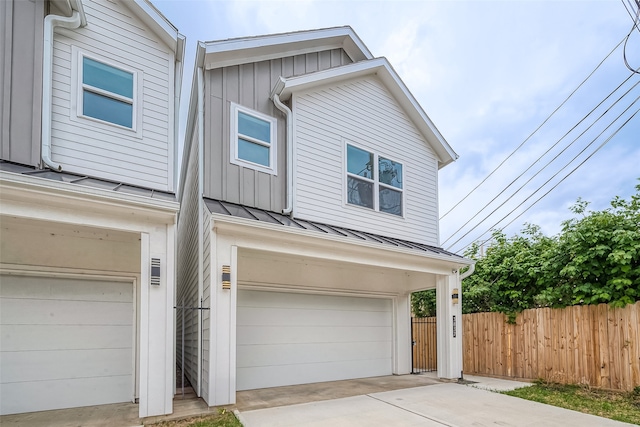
pixel 259 335
pixel 18 286
pixel 71 337
pixel 275 376
pixel 20 397
pixel 59 312
pixel 63 353
pixel 311 317
pixel 288 354
pixel 303 338
pixel 54 365
pixel 264 299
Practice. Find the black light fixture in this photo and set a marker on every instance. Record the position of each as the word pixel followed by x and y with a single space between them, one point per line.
pixel 226 277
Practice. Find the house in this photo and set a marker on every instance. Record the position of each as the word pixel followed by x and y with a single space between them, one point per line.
pixel 88 210
pixel 309 214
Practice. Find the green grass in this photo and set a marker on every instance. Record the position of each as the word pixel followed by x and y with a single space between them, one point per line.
pixel 223 418
pixel 617 406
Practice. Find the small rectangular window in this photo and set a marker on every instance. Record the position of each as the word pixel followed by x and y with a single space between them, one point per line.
pixel 253 139
pixel 107 93
pixel 379 188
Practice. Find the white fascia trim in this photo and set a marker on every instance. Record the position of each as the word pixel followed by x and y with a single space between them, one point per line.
pixel 49 187
pixel 383 69
pixel 256 226
pixel 243 50
pixel 157 21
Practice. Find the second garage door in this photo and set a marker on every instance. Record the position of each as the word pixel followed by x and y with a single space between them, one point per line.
pixel 65 343
pixel 291 338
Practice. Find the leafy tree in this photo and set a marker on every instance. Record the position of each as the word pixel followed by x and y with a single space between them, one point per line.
pixel 423 303
pixel 595 259
pixel 507 279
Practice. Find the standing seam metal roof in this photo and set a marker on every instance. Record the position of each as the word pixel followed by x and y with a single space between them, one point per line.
pixel 241 211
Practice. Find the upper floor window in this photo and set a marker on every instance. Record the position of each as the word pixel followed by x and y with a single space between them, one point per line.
pixel 107 93
pixel 253 139
pixel 374 181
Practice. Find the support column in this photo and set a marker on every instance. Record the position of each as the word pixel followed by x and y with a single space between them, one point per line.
pixel 222 376
pixel 449 319
pixel 156 323
pixel 402 335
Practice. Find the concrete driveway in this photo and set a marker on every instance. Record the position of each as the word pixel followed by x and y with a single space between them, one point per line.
pixel 439 405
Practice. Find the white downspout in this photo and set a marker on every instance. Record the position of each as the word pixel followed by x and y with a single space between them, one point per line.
pixel 287 111
pixel 200 76
pixel 468 273
pixel 50 24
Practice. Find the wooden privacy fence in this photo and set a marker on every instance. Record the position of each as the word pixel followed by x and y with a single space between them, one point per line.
pixel 593 344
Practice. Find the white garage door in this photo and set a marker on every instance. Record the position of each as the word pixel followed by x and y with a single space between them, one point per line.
pixel 285 338
pixel 65 343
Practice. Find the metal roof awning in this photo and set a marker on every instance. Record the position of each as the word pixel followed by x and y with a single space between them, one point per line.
pixel 86 181
pixel 240 211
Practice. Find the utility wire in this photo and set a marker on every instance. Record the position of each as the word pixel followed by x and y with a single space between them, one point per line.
pixel 556 174
pixel 631 14
pixel 545 153
pixel 559 182
pixel 536 130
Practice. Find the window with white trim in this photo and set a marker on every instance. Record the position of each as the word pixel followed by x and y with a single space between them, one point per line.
pixel 253 139
pixel 374 181
pixel 107 93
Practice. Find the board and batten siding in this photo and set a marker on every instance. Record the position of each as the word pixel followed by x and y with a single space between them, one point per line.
pixel 364 113
pixel 21 45
pixel 250 85
pixel 187 270
pixel 98 149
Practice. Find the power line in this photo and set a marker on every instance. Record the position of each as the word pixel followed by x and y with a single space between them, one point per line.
pixel 536 130
pixel 556 174
pixel 545 153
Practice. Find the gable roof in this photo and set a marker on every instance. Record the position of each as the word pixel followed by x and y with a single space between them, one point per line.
pixel 381 68
pixel 242 50
pixel 151 16
pixel 146 12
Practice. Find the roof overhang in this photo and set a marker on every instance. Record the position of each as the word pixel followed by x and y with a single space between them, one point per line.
pixel 381 68
pixel 244 219
pixel 225 53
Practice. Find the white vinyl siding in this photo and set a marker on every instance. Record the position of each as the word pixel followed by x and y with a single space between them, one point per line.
pixel 143 157
pixel 364 113
pixel 65 343
pixel 187 270
pixel 206 301
pixel 294 338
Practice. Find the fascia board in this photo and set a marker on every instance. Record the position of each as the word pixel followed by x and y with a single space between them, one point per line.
pixel 380 67
pixel 274 232
pixel 24 184
pixel 230 52
pixel 151 16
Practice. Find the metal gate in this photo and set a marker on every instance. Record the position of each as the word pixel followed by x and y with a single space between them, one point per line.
pixel 181 310
pixel 423 345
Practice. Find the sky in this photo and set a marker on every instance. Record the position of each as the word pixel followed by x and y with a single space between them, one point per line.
pixel 488 74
